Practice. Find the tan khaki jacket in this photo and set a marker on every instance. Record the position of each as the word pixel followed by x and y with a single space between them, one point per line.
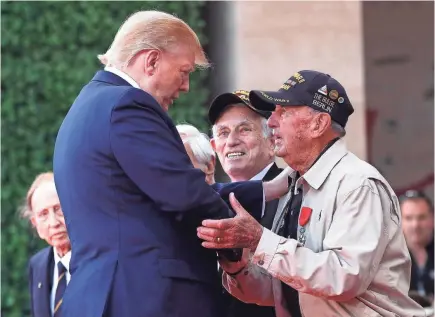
pixel 350 259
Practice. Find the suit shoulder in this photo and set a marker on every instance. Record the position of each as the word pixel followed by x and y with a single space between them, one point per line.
pixel 131 95
pixel 138 102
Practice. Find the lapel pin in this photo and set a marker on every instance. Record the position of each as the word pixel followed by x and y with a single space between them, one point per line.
pixel 39 285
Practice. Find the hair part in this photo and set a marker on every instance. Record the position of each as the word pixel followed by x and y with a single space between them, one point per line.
pixel 199 143
pixel 25 210
pixel 152 29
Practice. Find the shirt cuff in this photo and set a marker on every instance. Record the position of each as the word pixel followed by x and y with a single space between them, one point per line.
pixel 266 249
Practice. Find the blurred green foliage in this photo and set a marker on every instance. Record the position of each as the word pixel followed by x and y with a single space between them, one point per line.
pixel 49 51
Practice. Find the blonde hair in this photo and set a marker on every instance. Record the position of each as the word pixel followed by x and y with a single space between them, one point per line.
pixel 151 30
pixel 26 209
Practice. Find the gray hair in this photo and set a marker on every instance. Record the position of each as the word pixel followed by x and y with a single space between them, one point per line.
pixel 267 132
pixel 337 128
pixel 199 143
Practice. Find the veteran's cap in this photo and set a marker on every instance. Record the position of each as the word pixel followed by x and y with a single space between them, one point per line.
pixel 222 101
pixel 307 88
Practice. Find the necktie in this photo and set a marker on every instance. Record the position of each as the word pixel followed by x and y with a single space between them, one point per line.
pixel 289 229
pixel 61 286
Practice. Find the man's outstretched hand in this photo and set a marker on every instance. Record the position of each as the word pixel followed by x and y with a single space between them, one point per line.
pixel 242 231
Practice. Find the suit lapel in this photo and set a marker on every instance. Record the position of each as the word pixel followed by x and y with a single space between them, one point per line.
pixel 273 172
pixel 43 275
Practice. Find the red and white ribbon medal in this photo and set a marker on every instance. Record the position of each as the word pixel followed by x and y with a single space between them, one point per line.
pixel 304 218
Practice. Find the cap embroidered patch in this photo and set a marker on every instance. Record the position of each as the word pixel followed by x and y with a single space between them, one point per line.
pixel 323 90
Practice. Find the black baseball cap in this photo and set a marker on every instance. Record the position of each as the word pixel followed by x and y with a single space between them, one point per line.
pixel 222 101
pixel 307 88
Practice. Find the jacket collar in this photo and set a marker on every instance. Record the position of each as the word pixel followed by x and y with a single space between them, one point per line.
pixel 110 78
pixel 123 75
pixel 318 173
pixel 272 172
pixel 262 173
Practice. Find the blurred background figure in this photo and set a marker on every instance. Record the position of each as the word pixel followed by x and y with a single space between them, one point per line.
pixel 49 268
pixel 418 227
pixel 197 145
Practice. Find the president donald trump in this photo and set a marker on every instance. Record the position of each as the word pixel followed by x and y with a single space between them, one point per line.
pixel 130 195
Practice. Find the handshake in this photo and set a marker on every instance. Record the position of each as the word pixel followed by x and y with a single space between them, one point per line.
pixel 226 235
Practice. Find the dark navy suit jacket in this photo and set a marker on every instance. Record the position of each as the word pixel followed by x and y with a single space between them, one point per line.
pixel 41 268
pixel 132 202
pixel 234 307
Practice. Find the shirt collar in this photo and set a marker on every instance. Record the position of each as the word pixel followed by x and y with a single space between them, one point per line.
pixel 260 175
pixel 123 75
pixel 318 173
pixel 65 259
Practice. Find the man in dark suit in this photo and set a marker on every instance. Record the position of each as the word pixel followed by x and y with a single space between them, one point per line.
pixel 244 145
pixel 41 268
pixel 131 197
pixel 48 269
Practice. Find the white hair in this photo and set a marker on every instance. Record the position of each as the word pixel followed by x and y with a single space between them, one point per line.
pixel 267 132
pixel 199 143
pixel 151 30
pixel 337 128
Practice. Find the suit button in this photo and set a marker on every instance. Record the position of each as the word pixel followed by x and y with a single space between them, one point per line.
pixel 261 262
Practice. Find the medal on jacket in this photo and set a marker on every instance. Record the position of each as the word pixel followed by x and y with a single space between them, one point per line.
pixel 304 218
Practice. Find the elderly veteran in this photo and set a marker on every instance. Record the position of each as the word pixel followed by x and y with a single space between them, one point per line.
pixel 244 145
pixel 342 247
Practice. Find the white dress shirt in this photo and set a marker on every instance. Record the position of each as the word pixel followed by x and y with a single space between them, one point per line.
pixel 123 75
pixel 262 173
pixel 65 261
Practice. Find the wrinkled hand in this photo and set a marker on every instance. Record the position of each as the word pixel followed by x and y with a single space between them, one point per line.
pixel 242 231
